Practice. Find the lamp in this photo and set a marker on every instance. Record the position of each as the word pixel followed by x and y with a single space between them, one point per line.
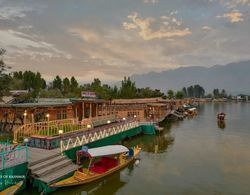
pixel 88 126
pixel 108 121
pixel 60 132
pixel 25 113
pixel 135 116
pixel 124 118
pixel 26 140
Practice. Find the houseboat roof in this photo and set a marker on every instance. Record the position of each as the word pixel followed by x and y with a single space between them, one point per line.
pixel 107 150
pixel 138 100
pixel 156 104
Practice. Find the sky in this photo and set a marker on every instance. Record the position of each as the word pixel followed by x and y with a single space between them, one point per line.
pixel 110 39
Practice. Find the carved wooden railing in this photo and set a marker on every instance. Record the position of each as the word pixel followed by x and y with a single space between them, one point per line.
pixel 51 128
pixel 97 133
pixel 47 129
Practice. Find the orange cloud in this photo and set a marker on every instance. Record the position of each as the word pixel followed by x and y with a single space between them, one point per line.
pixel 147 33
pixel 234 16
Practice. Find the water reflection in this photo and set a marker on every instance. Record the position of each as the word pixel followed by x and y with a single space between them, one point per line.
pixel 153 144
pixel 221 124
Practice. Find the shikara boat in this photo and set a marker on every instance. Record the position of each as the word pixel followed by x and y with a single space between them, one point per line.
pixel 12 189
pixel 221 116
pixel 103 161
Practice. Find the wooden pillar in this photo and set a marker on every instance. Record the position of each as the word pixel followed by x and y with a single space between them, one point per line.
pixel 76 112
pixel 83 112
pixel 90 110
pixel 96 113
pixel 102 110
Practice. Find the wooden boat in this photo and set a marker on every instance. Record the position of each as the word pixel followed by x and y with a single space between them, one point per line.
pixel 110 159
pixel 12 189
pixel 221 116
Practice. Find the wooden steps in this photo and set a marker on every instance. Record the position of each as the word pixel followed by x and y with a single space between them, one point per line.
pixel 49 178
pixel 51 166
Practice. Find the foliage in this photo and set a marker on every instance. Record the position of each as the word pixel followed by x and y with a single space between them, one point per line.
pixel 128 88
pixel 170 93
pixel 4 78
pixel 179 95
pixel 57 83
pixel 218 94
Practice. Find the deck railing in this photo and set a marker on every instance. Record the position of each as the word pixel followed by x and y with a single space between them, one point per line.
pixel 51 128
pixel 11 155
pixel 97 133
pixel 47 129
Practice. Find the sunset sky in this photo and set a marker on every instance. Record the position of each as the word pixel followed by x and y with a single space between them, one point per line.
pixel 113 38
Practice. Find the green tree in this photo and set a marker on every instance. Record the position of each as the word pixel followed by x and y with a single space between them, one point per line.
pixel 190 91
pixel 73 84
pixel 57 83
pixel 66 85
pixel 170 94
pixel 184 90
pixel 216 93
pixel 179 95
pixel 4 78
pixel 128 88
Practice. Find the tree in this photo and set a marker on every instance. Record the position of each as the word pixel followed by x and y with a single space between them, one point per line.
pixel 179 95
pixel 184 90
pixel 4 78
pixel 216 93
pixel 73 84
pixel 170 93
pixel 57 83
pixel 223 93
pixel 190 91
pixel 128 88
pixel 66 85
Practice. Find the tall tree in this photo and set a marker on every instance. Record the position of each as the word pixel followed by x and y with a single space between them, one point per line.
pixel 190 91
pixel 179 95
pixel 184 90
pixel 57 83
pixel 73 84
pixel 216 93
pixel 170 93
pixel 128 88
pixel 66 85
pixel 4 78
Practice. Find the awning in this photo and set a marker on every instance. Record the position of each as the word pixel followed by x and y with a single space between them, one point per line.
pixel 192 109
pixel 107 150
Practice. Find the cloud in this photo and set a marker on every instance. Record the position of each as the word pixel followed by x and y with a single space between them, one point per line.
pixel 17 42
pixel 143 26
pixel 206 28
pixel 151 1
pixel 234 3
pixel 234 16
pixel 11 13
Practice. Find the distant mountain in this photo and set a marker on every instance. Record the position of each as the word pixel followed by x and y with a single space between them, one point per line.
pixel 233 77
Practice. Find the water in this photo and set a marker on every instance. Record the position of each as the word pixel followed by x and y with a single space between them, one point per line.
pixel 193 156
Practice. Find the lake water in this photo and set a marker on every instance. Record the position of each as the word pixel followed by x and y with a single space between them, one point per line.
pixel 193 156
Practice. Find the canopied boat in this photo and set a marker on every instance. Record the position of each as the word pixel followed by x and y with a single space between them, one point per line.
pixel 103 161
pixel 221 116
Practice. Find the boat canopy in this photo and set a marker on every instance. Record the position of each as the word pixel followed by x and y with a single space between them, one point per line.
pixel 192 109
pixel 106 150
